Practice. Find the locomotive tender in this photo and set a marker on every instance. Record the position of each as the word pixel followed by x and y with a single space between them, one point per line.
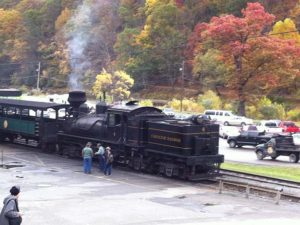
pixel 143 138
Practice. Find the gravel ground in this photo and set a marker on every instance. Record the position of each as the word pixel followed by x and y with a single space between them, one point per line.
pixel 55 191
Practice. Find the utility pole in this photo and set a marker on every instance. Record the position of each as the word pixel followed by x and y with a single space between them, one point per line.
pixel 182 84
pixel 2 156
pixel 38 76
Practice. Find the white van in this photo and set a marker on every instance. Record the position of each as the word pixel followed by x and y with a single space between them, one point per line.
pixel 227 117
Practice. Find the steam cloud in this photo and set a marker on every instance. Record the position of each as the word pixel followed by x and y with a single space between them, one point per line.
pixel 81 24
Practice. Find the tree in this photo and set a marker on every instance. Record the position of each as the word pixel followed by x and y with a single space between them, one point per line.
pixel 117 85
pixel 62 19
pixel 122 83
pixel 210 100
pixel 13 46
pixel 102 84
pixel 159 45
pixel 258 62
pixel 286 30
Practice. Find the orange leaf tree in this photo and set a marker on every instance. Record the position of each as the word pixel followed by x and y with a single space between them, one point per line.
pixel 259 62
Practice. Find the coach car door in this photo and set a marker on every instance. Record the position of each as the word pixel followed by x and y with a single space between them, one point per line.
pixel 114 127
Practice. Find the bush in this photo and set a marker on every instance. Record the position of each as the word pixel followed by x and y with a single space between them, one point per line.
pixel 210 100
pixel 146 102
pixel 188 105
pixel 251 112
pixel 294 115
pixel 266 109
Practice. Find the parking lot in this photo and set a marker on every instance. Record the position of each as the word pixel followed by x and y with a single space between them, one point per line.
pixel 55 191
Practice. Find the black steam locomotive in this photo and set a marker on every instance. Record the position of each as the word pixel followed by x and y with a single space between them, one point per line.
pixel 143 138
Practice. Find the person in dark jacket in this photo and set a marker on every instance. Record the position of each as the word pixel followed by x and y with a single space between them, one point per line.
pixel 100 154
pixel 10 214
pixel 109 158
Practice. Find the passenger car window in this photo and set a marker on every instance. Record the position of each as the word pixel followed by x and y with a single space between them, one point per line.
pixel 227 114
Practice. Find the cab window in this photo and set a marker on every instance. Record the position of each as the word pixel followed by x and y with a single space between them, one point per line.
pixel 114 119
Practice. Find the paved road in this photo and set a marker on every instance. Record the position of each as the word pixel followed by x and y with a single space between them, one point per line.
pixel 56 192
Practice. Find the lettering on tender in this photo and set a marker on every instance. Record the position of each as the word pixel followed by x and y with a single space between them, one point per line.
pixel 166 138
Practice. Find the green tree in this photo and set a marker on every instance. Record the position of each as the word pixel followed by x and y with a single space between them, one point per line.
pixel 266 109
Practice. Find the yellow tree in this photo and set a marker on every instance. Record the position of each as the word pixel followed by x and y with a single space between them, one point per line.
pixel 117 85
pixel 11 34
pixel 122 83
pixel 286 30
pixel 102 84
pixel 63 18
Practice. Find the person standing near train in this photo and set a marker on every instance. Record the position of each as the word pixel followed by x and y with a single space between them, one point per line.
pixel 109 158
pixel 101 157
pixel 87 155
pixel 10 214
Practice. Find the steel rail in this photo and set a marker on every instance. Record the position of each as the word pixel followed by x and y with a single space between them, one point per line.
pixel 261 185
pixel 260 178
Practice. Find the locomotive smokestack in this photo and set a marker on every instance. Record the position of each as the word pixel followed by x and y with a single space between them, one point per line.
pixel 76 98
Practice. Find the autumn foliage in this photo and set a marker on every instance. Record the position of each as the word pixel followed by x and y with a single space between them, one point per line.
pixel 240 49
pixel 259 62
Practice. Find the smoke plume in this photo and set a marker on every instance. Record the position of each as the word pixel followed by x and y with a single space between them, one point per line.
pixel 79 36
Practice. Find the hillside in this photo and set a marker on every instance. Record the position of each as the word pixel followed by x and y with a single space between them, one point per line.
pixel 56 45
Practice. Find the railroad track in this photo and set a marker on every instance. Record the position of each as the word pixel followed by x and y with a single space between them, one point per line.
pixel 263 186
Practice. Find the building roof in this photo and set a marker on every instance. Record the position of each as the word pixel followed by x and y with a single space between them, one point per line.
pixel 10 92
pixel 31 104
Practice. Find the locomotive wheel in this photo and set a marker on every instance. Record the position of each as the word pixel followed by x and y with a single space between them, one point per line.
pixel 44 146
pixel 137 163
pixel 59 149
pixel 294 158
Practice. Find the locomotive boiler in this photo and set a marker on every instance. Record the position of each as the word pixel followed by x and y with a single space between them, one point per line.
pixel 144 138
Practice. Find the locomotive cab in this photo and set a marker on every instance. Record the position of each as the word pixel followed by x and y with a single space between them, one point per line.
pixel 115 123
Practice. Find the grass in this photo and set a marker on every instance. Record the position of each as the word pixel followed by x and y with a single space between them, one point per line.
pixel 288 173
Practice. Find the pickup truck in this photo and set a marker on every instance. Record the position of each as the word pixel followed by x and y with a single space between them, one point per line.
pixel 269 126
pixel 251 137
pixel 286 145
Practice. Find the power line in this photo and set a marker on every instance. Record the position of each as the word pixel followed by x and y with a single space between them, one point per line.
pixel 18 63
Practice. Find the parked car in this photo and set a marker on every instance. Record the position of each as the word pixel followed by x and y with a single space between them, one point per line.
pixel 289 127
pixel 269 126
pixel 169 112
pixel 182 116
pixel 227 117
pixel 248 138
pixel 226 131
